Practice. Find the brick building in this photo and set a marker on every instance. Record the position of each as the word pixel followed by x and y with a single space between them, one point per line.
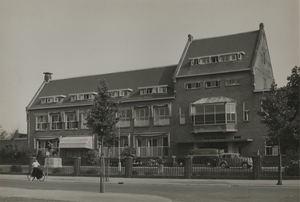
pixel 209 99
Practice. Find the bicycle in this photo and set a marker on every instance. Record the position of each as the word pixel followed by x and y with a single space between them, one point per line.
pixel 41 175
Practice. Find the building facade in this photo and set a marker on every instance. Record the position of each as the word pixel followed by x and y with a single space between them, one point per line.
pixel 210 99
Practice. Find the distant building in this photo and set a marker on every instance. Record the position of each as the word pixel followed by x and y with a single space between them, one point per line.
pixel 210 99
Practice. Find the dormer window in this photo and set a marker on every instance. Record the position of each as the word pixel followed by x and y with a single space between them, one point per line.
pixel 83 96
pixel 153 89
pixel 217 58
pixel 120 92
pixel 52 99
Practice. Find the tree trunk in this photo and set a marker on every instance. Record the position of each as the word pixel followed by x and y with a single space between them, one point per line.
pixel 102 186
pixel 279 164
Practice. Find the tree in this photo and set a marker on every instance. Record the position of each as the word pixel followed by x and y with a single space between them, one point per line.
pixel 281 115
pixel 3 133
pixel 102 119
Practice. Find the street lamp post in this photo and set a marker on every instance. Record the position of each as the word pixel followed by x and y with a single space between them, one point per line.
pixel 119 163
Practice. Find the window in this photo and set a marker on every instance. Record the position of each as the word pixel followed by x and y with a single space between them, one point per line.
pixel 212 84
pixel 152 147
pixel 270 149
pixel 209 114
pixel 141 116
pixel 214 59
pixel 82 96
pixel 246 111
pixel 153 90
pixel 56 121
pixel 83 120
pixel 71 120
pixel 230 112
pixel 125 118
pixel 161 116
pixel 204 60
pixel 181 117
pixel 193 85
pixel 217 58
pixel 265 83
pixel 232 82
pixel 41 122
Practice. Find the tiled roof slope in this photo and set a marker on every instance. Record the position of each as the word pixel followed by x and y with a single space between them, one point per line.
pixel 119 80
pixel 245 42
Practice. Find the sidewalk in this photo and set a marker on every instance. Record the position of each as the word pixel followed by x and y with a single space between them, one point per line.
pixel 88 196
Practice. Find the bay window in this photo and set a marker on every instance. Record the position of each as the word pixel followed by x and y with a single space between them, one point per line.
pixel 209 114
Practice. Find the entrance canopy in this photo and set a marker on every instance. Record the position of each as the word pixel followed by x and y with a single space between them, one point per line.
pixel 76 142
pixel 210 100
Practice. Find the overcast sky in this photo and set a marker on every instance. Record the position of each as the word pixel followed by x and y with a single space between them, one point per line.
pixel 76 38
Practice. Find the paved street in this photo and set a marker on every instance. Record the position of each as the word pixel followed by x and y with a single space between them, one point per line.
pixel 72 188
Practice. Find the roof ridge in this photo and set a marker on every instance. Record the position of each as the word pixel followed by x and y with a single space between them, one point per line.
pixel 225 35
pixel 133 70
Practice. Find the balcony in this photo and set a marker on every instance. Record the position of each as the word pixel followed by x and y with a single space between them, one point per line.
pixel 229 127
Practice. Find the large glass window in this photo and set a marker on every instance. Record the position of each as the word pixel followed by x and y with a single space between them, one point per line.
pixel 161 116
pixel 213 114
pixel 141 117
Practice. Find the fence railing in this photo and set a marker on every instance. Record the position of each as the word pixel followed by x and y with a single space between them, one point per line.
pixel 151 167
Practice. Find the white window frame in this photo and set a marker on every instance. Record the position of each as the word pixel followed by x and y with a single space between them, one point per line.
pixel 83 117
pixel 181 117
pixel 39 125
pixel 141 121
pixel 161 116
pixel 216 82
pixel 71 121
pixel 246 111
pixel 125 118
pixel 194 85
pixel 271 150
pixel 56 123
pixel 233 82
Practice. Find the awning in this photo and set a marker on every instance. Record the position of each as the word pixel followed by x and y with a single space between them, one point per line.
pixel 210 100
pixel 76 142
pixel 215 140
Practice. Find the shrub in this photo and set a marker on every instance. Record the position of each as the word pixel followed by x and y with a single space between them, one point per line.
pixel 15 169
pixel 134 172
pixel 57 170
pixel 92 171
pixel 92 157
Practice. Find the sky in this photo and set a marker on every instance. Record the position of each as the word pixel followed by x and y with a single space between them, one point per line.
pixel 73 38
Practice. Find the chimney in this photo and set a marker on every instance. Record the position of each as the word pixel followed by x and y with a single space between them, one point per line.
pixel 261 25
pixel 190 37
pixel 47 76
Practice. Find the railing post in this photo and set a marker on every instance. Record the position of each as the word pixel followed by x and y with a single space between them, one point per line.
pixel 128 167
pixel 188 167
pixel 77 164
pixel 256 167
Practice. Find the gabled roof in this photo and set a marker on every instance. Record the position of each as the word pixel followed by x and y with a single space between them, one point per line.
pixel 243 42
pixel 120 80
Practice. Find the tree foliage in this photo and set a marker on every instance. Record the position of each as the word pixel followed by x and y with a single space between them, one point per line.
pixel 102 118
pixel 281 113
